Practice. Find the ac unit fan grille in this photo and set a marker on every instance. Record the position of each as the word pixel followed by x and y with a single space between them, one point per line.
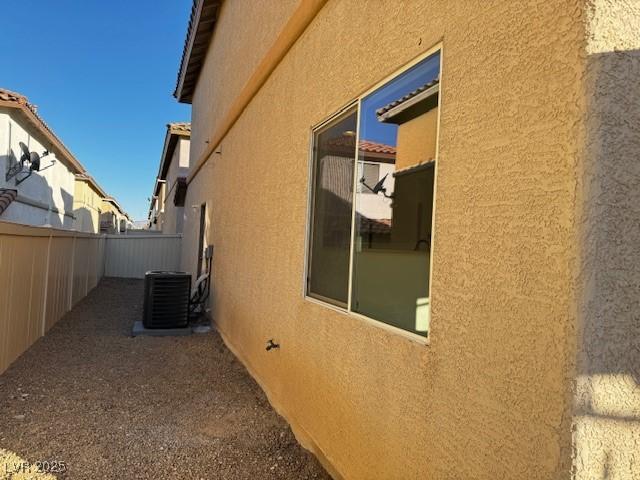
pixel 166 299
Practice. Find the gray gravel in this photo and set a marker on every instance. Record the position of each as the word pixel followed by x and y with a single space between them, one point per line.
pixel 112 406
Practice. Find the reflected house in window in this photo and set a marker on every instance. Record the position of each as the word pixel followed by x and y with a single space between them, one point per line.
pixel 376 162
pixel 370 248
pixel 392 243
pixel 333 203
pixel 334 156
pixel 416 115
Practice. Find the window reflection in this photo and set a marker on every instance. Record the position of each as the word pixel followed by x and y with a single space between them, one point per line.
pixel 394 198
pixel 334 157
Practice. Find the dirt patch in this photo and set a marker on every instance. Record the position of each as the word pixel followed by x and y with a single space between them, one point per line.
pixel 112 406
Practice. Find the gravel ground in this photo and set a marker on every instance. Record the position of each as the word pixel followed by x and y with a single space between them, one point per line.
pixel 111 406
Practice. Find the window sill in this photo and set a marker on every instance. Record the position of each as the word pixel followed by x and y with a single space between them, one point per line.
pixel 413 337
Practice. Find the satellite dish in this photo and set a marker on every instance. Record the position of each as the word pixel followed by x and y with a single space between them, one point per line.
pixel 26 155
pixel 379 187
pixel 35 161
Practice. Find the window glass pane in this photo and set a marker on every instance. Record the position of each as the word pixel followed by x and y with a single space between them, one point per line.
pixel 334 159
pixel 394 204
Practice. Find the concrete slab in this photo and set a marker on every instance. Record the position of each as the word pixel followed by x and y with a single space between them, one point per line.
pixel 139 329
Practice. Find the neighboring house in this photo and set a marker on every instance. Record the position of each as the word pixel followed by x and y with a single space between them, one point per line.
pixel 43 193
pixel 140 225
pixel 480 318
pixel 155 216
pixel 87 203
pixel 113 218
pixel 166 212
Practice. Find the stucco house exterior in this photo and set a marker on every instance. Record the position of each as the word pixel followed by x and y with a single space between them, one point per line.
pixel 113 218
pixel 483 323
pixel 166 210
pixel 87 203
pixel 44 196
pixel 60 193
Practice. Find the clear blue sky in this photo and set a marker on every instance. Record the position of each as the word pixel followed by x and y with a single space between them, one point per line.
pixel 102 73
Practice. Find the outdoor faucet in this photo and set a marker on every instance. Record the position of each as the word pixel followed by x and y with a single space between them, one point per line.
pixel 271 344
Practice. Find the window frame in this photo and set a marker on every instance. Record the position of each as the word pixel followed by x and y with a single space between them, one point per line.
pixel 315 129
pixel 336 117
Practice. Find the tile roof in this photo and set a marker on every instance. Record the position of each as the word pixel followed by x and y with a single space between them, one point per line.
pixel 375 147
pixel 382 110
pixel 367 146
pixel 20 101
pixel 179 128
pixel 6 197
pixel 9 96
pixel 202 22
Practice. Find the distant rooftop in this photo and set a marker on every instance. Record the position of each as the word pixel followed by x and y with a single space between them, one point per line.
pixel 179 128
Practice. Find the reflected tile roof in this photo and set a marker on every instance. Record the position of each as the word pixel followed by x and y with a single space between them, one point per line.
pixel 382 110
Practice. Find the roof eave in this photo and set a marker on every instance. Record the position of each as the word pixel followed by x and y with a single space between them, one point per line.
pixel 391 113
pixel 171 138
pixel 204 14
pixel 94 184
pixel 115 203
pixel 66 155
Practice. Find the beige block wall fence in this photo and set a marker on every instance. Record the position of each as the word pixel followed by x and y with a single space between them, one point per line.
pixel 44 272
pixel 518 294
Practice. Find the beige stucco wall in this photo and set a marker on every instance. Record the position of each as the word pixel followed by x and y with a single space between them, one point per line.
pixel 173 217
pixel 417 140
pixel 492 395
pixel 197 194
pixel 87 204
pixel 607 399
pixel 232 58
pixel 107 207
pixel 46 198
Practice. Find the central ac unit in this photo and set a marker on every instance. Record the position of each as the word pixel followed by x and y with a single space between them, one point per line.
pixel 166 299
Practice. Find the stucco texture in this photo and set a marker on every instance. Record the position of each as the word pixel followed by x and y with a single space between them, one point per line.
pixel 492 394
pixel 232 58
pixel 173 216
pixel 46 197
pixel 86 207
pixel 607 401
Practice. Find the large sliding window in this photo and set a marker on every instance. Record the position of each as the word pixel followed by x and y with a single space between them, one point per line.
pixel 372 202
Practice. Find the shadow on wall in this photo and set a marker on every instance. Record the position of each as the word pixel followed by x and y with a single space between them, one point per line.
pixel 84 220
pixel 36 209
pixel 606 424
